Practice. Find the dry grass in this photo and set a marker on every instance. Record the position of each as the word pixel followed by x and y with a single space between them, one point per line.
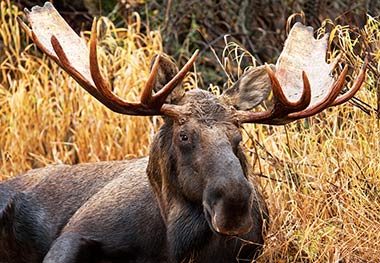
pixel 47 118
pixel 324 187
pixel 321 177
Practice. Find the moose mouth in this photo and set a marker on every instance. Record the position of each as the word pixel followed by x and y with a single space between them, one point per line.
pixel 232 230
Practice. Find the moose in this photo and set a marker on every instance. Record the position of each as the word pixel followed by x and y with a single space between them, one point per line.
pixel 193 199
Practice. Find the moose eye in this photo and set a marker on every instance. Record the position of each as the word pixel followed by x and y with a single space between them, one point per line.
pixel 183 137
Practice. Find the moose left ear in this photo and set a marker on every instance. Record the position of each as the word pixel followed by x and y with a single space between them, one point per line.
pixel 167 69
pixel 250 90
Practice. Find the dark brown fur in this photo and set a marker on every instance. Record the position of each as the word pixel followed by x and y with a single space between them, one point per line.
pixel 190 200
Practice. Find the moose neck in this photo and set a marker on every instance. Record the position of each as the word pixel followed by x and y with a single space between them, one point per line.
pixel 182 218
pixel 162 171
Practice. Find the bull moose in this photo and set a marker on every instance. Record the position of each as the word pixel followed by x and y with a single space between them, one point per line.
pixel 193 199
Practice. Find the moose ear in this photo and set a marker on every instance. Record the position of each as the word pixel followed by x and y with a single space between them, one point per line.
pixel 166 71
pixel 252 88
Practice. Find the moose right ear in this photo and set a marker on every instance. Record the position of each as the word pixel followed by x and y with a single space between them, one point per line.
pixel 166 71
pixel 250 90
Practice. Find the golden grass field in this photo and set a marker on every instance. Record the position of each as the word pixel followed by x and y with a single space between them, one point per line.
pixel 320 178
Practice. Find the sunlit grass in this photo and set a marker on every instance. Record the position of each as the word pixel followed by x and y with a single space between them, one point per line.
pixel 324 188
pixel 47 118
pixel 320 178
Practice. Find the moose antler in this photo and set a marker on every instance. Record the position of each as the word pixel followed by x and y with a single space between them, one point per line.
pixel 301 80
pixel 303 57
pixel 56 39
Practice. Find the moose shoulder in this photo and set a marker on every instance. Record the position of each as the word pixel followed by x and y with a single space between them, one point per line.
pixel 193 199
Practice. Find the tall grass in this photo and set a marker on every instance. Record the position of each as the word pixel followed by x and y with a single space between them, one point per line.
pixel 320 178
pixel 47 118
pixel 323 175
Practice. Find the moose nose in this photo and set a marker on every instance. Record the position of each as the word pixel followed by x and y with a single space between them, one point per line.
pixel 238 226
pixel 228 206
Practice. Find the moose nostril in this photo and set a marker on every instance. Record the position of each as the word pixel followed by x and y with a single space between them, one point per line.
pixel 230 224
pixel 217 195
pixel 229 212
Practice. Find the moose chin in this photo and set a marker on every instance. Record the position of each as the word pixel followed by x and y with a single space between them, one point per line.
pixel 194 199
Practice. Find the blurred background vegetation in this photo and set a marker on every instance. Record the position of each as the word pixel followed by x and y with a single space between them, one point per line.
pixel 320 176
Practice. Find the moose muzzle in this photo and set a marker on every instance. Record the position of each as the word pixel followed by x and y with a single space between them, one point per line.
pixel 227 206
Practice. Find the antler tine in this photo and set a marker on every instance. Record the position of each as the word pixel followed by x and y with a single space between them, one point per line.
pixel 57 40
pixel 326 102
pixel 303 53
pixel 149 104
pixel 147 94
pixel 355 87
pixel 280 114
pixel 32 35
pixel 332 99
pixel 64 63
pixel 41 17
pixel 282 107
pixel 109 99
pixel 60 58
pixel 160 97
pixel 27 30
